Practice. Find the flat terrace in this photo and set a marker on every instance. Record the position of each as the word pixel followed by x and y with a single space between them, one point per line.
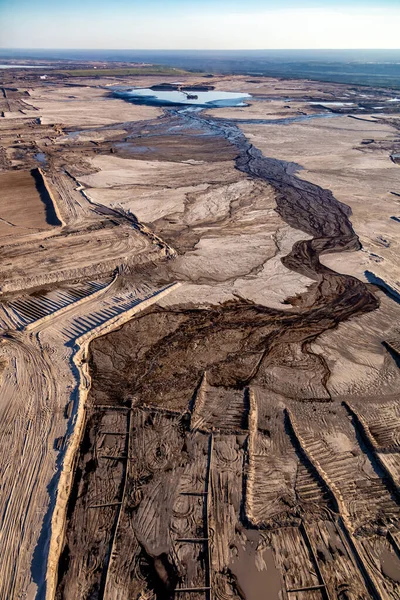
pixel 25 204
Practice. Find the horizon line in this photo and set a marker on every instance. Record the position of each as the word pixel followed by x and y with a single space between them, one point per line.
pixel 203 49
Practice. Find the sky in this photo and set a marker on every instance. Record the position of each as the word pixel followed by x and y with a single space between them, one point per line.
pixel 200 24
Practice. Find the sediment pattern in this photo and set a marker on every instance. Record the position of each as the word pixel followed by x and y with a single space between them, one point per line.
pixel 217 466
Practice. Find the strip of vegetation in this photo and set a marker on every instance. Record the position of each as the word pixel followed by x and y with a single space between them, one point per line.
pixel 150 70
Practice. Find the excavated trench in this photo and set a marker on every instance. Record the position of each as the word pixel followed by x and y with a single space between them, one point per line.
pixel 160 357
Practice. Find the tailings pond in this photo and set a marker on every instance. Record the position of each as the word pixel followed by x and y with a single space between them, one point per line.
pixel 207 98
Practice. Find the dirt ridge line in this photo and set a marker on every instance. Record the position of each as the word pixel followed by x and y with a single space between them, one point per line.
pixel 80 360
pixel 72 305
pixel 51 196
pixel 250 471
pixel 342 512
pixel 370 442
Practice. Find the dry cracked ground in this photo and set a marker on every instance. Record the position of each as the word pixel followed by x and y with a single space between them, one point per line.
pixel 200 343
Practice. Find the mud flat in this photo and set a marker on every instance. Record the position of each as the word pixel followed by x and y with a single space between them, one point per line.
pixel 231 441
pixel 244 377
pixel 224 230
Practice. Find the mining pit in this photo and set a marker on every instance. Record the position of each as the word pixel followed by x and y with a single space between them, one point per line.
pixel 200 382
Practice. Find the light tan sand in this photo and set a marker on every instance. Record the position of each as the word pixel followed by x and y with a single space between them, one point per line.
pixel 85 107
pixel 21 208
pixel 115 171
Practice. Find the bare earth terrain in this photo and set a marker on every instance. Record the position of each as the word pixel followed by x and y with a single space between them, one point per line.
pixel 200 342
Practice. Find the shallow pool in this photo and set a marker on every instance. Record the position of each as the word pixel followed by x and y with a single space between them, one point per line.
pixel 25 67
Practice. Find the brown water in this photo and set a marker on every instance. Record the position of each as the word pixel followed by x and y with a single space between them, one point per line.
pixel 390 565
pixel 255 570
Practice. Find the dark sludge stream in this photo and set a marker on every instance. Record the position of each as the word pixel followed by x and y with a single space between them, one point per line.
pixel 250 337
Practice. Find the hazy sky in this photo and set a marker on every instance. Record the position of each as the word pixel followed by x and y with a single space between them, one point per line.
pixel 199 24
